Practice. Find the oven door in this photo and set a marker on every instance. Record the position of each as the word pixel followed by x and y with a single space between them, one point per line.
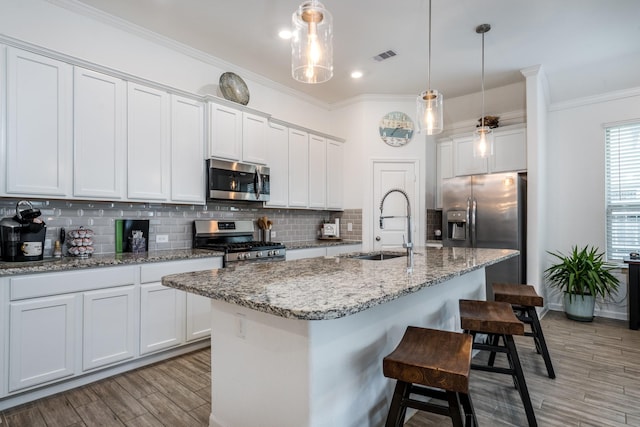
pixel 237 181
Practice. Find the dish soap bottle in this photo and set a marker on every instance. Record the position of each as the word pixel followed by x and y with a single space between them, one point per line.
pixel 57 250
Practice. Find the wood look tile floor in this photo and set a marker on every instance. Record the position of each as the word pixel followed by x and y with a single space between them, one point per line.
pixel 598 384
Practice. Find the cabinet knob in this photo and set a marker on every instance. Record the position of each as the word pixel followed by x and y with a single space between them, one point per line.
pixel 377 238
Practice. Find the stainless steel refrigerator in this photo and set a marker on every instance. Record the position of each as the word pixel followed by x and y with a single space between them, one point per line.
pixel 488 211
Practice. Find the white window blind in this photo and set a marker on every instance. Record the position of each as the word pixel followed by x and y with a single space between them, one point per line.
pixel 623 190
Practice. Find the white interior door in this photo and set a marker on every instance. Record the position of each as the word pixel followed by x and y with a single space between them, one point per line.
pixel 386 176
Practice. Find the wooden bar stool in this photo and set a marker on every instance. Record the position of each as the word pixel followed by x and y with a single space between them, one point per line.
pixel 435 364
pixel 498 320
pixel 524 300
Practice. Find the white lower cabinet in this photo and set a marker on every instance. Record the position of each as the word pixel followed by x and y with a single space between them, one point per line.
pixel 108 333
pixel 198 317
pixel 161 317
pixel 55 326
pixel 168 316
pixel 42 340
pixel 343 249
pixel 293 254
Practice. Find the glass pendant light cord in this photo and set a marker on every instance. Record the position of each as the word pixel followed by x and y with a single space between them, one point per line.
pixel 429 56
pixel 483 80
pixel 482 29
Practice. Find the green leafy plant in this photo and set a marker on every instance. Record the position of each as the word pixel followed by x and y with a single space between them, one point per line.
pixel 583 272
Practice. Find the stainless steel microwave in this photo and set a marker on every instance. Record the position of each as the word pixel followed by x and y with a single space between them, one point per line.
pixel 237 181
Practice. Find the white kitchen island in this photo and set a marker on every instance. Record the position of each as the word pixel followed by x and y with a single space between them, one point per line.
pixel 301 343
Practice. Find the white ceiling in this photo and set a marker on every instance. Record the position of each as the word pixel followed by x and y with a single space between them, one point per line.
pixel 596 39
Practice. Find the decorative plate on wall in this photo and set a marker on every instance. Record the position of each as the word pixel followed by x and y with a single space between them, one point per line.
pixel 234 88
pixel 396 128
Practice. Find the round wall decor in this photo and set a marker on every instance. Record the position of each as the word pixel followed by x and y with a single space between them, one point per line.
pixel 396 129
pixel 234 88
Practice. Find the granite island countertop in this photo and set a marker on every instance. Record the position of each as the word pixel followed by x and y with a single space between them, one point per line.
pixel 67 263
pixel 332 287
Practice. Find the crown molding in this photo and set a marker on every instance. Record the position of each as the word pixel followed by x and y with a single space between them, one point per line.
pixel 595 99
pixel 90 12
pixel 372 98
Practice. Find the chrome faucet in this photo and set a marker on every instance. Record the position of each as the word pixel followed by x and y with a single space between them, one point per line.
pixel 408 244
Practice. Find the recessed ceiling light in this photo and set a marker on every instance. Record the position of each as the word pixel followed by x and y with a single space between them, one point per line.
pixel 356 74
pixel 285 34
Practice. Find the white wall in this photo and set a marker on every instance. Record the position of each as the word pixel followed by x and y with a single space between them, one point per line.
pixel 359 120
pixel 575 169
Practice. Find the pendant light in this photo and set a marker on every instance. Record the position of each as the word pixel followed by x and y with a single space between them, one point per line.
pixel 483 136
pixel 429 103
pixel 311 43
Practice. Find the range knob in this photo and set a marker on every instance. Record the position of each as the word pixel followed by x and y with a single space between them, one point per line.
pixel 258 254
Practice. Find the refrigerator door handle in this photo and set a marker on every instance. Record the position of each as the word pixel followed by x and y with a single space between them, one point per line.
pixel 468 223
pixel 473 222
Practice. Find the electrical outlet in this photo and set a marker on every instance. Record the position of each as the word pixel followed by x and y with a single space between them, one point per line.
pixel 242 326
pixel 162 238
pixel 273 234
pixel 47 243
pixel 349 226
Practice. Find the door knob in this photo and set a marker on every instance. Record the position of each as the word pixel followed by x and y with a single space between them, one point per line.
pixel 377 238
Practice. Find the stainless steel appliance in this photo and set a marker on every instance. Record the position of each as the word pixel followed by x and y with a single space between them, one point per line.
pixel 22 236
pixel 488 211
pixel 237 181
pixel 235 239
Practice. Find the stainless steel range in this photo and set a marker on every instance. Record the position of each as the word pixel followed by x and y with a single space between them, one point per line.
pixel 235 239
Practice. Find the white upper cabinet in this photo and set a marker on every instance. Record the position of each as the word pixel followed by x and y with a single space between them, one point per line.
pixel 148 143
pixel 465 163
pixel 335 174
pixel 39 125
pixel 298 168
pixel 225 132
pixel 444 167
pixel 254 138
pixel 99 135
pixel 3 124
pixel 314 169
pixel 510 151
pixel 236 135
pixel 278 161
pixel 317 172
pixel 187 150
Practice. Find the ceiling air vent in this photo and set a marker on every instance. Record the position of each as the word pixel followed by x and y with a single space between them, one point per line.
pixel 384 55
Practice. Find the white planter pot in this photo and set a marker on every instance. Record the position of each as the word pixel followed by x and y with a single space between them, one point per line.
pixel 579 307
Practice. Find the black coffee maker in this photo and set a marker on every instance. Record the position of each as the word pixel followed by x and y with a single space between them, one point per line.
pixel 22 236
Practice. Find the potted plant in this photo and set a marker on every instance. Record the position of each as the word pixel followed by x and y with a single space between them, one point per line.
pixel 583 275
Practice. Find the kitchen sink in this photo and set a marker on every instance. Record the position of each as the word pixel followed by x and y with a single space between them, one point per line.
pixel 376 256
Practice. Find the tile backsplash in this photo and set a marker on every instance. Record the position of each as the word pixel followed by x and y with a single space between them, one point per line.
pixel 175 221
pixel 434 222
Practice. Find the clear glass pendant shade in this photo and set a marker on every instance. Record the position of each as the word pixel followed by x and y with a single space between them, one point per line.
pixel 430 112
pixel 312 43
pixel 483 142
pixel 483 136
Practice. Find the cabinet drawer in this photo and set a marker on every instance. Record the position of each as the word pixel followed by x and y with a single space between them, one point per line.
pixel 70 281
pixel 153 272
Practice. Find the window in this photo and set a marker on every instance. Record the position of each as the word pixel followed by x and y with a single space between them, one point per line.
pixel 622 189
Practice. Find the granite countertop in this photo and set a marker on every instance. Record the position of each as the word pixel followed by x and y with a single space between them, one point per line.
pixel 331 287
pixel 103 260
